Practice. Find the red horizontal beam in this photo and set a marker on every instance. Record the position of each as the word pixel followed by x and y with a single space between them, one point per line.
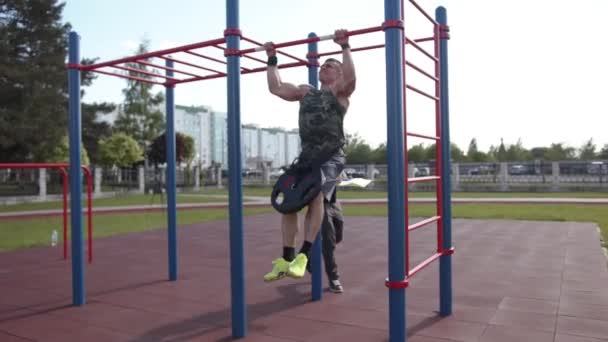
pixel 245 56
pixel 422 40
pixel 424 264
pixel 281 66
pixel 144 72
pixel 279 52
pixel 209 58
pixel 200 78
pixel 155 54
pixel 431 19
pixel 419 48
pixel 422 179
pixel 423 223
pixel 417 68
pixel 190 64
pixel 422 92
pixel 352 50
pixel 423 136
pixel 134 78
pixel 167 68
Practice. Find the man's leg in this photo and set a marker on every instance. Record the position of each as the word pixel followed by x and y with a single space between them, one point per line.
pixel 289 228
pixel 312 225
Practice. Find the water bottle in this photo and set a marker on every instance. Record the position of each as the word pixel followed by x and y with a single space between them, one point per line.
pixel 54 238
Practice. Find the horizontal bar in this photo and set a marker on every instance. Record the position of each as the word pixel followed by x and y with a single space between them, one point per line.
pixel 280 66
pixel 426 53
pixel 279 52
pixel 422 179
pixel 417 68
pixel 423 136
pixel 422 40
pixel 144 72
pixel 167 68
pixel 315 39
pixel 202 78
pixel 140 79
pixel 155 54
pixel 352 50
pixel 422 92
pixel 245 56
pixel 423 223
pixel 209 58
pixel 424 264
pixel 424 12
pixel 190 64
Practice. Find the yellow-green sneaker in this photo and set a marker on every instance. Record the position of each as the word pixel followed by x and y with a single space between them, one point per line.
pixel 279 270
pixel 297 268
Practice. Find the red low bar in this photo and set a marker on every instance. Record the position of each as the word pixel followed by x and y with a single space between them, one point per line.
pixel 245 56
pixel 317 39
pixel 280 66
pixel 166 68
pixel 190 64
pixel 279 52
pixel 209 58
pixel 155 54
pixel 371 47
pixel 419 48
pixel 422 40
pixel 423 223
pixel 144 72
pixel 423 136
pixel 140 79
pixel 431 19
pixel 422 179
pixel 194 79
pixel 422 93
pixel 417 68
pixel 424 264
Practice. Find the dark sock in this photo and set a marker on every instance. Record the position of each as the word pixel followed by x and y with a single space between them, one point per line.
pixel 289 253
pixel 306 247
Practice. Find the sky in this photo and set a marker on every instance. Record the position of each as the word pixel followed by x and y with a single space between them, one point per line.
pixel 519 69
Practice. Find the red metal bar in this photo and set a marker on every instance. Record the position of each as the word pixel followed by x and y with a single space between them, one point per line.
pixel 154 54
pixel 406 162
pixel 64 177
pixel 422 92
pixel 279 52
pixel 423 223
pixel 210 58
pixel 438 149
pixel 422 40
pixel 140 79
pixel 167 68
pixel 371 47
pixel 90 210
pixel 144 72
pixel 419 48
pixel 316 39
pixel 424 264
pixel 194 79
pixel 422 179
pixel 192 65
pixel 281 66
pixel 431 19
pixel 245 56
pixel 423 136
pixel 417 68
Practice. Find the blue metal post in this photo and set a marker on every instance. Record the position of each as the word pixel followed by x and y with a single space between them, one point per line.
pixel 445 261
pixel 78 291
pixel 171 196
pixel 396 189
pixel 317 279
pixel 237 248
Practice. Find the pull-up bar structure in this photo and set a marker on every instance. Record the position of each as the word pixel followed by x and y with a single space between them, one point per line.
pixel 166 73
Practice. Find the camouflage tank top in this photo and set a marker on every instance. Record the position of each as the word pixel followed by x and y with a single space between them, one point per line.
pixel 321 124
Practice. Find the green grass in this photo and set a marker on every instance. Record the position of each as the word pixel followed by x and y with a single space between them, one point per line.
pixel 122 200
pixel 21 233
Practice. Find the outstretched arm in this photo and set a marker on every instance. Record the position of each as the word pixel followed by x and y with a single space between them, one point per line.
pixel 286 91
pixel 349 78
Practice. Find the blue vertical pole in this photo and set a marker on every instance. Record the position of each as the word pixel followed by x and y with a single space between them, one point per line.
pixel 78 291
pixel 396 175
pixel 445 261
pixel 317 279
pixel 171 196
pixel 237 248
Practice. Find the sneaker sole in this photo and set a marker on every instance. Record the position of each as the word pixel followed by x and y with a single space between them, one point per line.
pixel 279 277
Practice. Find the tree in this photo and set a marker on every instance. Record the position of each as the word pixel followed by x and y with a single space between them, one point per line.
pixel 33 79
pixel 518 152
pixel 473 153
pixel 587 151
pixel 379 154
pixel 501 153
pixel 184 149
pixel 357 150
pixel 539 153
pixel 557 152
pixel 456 153
pixel 603 153
pixel 94 130
pixel 140 117
pixel 61 153
pixel 119 150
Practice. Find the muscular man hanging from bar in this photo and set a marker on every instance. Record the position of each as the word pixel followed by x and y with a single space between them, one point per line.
pixel 321 116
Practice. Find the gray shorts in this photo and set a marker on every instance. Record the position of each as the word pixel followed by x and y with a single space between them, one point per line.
pixel 330 170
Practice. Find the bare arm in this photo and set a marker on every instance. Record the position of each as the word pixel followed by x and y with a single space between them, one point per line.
pixel 284 90
pixel 349 77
